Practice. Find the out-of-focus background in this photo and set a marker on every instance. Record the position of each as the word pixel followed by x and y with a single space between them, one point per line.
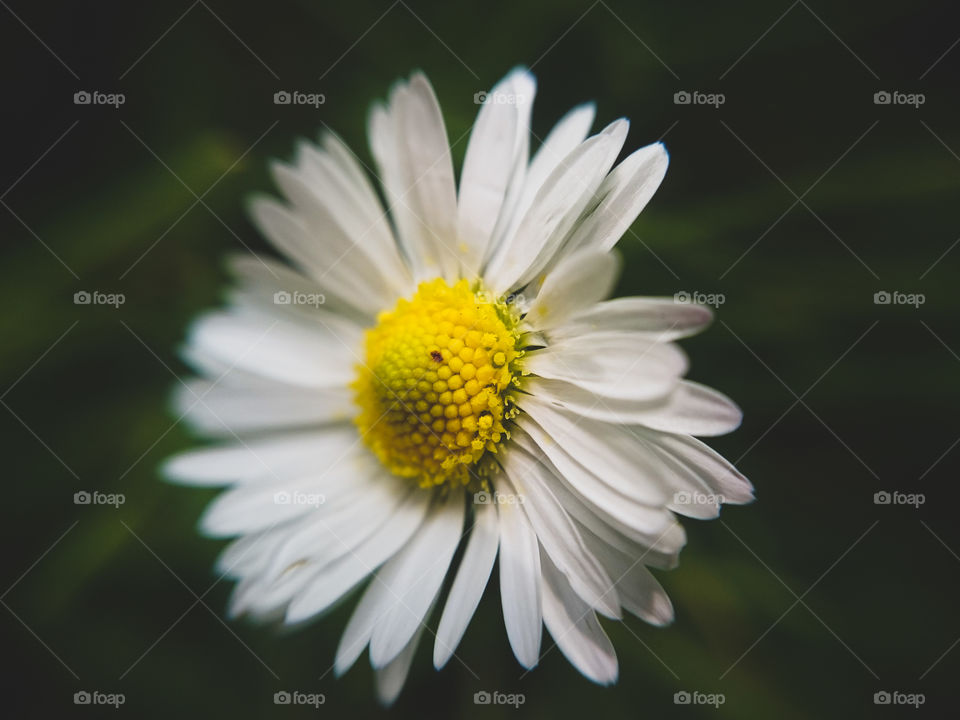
pixel 795 195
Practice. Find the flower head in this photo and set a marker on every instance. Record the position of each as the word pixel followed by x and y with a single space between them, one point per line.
pixel 448 370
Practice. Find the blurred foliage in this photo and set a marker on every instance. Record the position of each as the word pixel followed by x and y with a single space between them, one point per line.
pixel 801 605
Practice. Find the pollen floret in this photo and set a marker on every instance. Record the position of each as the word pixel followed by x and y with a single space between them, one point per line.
pixel 434 391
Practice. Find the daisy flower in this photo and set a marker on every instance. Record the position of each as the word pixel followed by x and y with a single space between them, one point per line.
pixel 438 366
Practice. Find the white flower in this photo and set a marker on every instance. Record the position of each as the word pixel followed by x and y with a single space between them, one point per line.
pixel 448 370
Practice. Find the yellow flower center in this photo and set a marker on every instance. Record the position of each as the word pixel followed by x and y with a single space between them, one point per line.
pixel 434 390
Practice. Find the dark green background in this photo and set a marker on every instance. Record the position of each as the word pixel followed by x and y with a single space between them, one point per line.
pixel 877 383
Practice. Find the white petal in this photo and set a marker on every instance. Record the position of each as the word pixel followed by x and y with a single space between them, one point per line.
pixel 661 319
pixel 560 142
pixel 415 577
pixel 221 410
pixel 281 350
pixel 371 218
pixel 254 506
pixel 575 629
pixel 391 678
pixel 718 474
pixel 332 582
pixel 611 453
pixel 622 196
pixel 356 635
pixel 596 505
pixel 520 584
pixel 624 367
pixel 260 457
pixel 351 516
pixel 691 408
pixel 326 260
pixel 320 201
pixel 492 162
pixel 577 282
pixel 261 278
pixel 382 132
pixel 468 587
pixel 555 209
pixel 531 481
pixel 639 591
pixel 426 185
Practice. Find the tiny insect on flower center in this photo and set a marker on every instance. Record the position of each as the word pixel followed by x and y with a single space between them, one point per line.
pixel 434 390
